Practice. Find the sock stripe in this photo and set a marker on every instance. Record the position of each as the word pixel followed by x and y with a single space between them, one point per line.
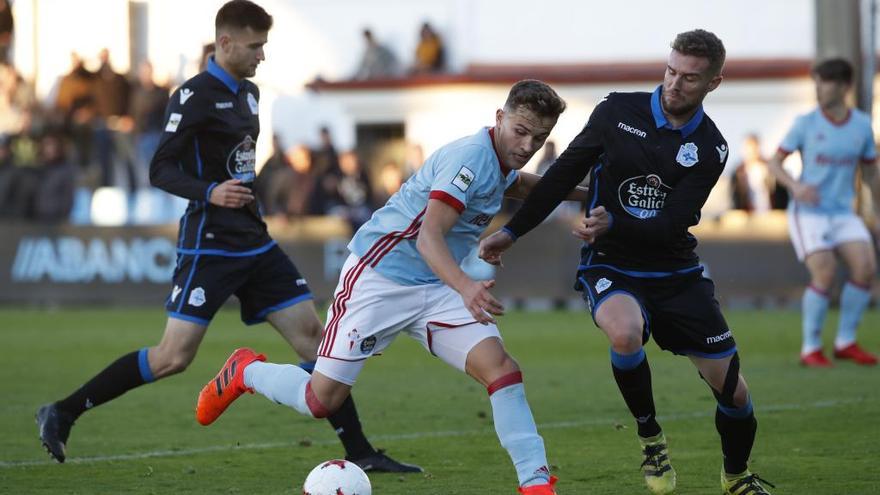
pixel 818 291
pixel 317 409
pixel 505 381
pixel 625 362
pixel 144 366
pixel 861 287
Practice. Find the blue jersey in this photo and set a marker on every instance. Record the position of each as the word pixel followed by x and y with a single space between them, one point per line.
pixel 831 152
pixel 465 174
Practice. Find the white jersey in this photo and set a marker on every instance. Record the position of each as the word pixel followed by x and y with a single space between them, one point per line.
pixel 465 174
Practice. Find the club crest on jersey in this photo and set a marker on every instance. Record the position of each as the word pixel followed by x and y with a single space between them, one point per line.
pixel 252 102
pixel 687 155
pixel 368 344
pixel 197 297
pixel 242 161
pixel 643 196
pixel 602 285
pixel 463 179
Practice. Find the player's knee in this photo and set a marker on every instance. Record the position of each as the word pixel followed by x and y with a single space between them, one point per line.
pixel 625 342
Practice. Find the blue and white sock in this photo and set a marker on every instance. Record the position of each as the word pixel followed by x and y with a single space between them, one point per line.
pixel 516 430
pixel 280 383
pixel 853 301
pixel 814 306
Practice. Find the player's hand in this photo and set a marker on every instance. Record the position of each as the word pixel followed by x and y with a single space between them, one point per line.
pixel 593 226
pixel 231 194
pixel 805 193
pixel 480 302
pixel 492 247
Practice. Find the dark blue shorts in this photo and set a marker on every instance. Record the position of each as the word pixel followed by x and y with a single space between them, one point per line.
pixel 263 283
pixel 680 310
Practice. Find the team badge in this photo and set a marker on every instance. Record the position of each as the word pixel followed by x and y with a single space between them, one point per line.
pixel 252 102
pixel 687 155
pixel 197 297
pixel 173 121
pixel 242 161
pixel 463 179
pixel 368 344
pixel 602 285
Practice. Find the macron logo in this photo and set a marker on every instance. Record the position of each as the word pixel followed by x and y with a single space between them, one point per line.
pixel 185 93
pixel 632 130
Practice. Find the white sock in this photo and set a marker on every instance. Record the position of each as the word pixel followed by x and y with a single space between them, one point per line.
pixel 853 302
pixel 518 434
pixel 280 383
pixel 813 308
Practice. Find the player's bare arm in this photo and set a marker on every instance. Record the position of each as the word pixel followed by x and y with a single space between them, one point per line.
pixel 804 193
pixel 871 176
pixel 439 218
pixel 525 182
pixel 231 194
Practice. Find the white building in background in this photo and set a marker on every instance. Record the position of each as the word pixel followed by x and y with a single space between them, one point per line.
pixel 314 38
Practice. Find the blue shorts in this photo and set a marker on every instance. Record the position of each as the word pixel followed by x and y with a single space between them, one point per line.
pixel 680 310
pixel 263 283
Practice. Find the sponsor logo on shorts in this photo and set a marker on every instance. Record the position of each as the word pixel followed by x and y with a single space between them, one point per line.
pixel 718 338
pixel 368 344
pixel 175 292
pixel 197 297
pixel 352 338
pixel 602 285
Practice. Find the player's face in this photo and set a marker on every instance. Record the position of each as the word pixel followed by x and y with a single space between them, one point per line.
pixel 243 50
pixel 830 93
pixel 519 134
pixel 687 81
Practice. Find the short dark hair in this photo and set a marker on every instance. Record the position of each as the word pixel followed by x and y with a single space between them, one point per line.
pixel 242 14
pixel 701 43
pixel 536 96
pixel 834 69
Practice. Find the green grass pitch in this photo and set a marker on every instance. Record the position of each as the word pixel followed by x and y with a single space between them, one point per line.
pixel 818 429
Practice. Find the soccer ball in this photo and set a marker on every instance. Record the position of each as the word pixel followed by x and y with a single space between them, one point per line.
pixel 337 477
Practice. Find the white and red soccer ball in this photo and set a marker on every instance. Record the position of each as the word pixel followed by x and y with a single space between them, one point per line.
pixel 337 477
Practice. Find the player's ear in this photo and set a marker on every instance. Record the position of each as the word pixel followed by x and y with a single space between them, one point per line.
pixel 499 116
pixel 715 82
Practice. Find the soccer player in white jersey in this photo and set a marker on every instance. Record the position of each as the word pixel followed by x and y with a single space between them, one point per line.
pixel 834 140
pixel 404 276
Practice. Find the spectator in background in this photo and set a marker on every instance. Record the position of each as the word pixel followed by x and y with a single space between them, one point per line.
pixel 354 192
pixel 413 159
pixel 7 177
pixel 16 97
pixel 296 184
pixel 7 28
pixel 147 110
pixel 547 158
pixel 75 102
pixel 270 174
pixel 377 62
pixel 390 180
pixel 112 141
pixel 430 55
pixel 752 181
pixel 324 157
pixel 53 199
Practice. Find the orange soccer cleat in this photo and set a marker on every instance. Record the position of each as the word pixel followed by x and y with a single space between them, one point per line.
pixel 857 354
pixel 815 359
pixel 543 489
pixel 227 386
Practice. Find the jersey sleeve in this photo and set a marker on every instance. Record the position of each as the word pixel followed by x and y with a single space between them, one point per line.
pixel 794 140
pixel 565 174
pixel 680 211
pixel 183 117
pixel 458 176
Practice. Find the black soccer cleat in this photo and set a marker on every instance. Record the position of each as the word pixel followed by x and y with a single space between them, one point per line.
pixel 378 462
pixel 54 427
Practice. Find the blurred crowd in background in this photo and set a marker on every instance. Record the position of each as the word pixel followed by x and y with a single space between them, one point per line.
pixel 82 154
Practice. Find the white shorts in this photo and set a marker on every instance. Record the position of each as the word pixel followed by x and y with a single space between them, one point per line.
pixel 812 232
pixel 369 310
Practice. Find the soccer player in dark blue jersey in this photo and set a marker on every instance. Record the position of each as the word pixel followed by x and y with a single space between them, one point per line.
pixel 653 159
pixel 206 155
